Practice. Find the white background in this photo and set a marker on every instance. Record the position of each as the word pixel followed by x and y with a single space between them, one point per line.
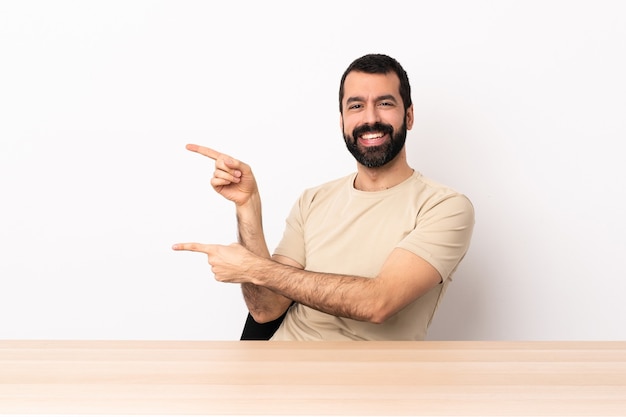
pixel 521 105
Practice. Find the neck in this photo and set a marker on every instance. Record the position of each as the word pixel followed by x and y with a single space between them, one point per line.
pixel 382 178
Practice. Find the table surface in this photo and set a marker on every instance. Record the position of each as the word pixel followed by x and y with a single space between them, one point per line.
pixel 313 378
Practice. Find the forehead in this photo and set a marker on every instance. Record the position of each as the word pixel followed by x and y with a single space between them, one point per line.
pixel 364 85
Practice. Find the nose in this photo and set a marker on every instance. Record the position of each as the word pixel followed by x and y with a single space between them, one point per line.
pixel 371 114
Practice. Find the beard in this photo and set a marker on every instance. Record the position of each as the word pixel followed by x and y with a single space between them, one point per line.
pixel 376 156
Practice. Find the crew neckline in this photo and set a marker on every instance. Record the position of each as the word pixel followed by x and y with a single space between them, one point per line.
pixel 391 190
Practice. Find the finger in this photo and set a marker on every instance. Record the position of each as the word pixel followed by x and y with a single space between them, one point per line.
pixel 228 165
pixel 203 150
pixel 193 247
pixel 223 161
pixel 225 177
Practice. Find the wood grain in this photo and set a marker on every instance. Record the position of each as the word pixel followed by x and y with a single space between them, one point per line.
pixel 317 378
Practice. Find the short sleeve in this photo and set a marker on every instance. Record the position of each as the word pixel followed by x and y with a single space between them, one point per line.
pixel 292 243
pixel 442 234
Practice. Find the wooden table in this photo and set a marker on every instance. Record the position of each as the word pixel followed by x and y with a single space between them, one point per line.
pixel 319 378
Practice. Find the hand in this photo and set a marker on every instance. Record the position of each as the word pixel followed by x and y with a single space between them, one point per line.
pixel 232 179
pixel 232 263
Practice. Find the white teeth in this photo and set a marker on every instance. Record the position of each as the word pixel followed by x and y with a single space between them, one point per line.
pixel 372 135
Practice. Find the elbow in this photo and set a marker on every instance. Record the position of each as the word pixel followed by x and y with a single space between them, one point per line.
pixel 264 316
pixel 379 318
pixel 380 314
pixel 261 317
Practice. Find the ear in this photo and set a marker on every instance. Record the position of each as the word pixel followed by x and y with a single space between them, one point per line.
pixel 409 117
pixel 341 122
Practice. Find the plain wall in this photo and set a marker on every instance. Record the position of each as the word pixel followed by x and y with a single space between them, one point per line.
pixel 519 104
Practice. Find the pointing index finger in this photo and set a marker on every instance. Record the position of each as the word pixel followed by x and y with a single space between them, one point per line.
pixel 193 247
pixel 203 150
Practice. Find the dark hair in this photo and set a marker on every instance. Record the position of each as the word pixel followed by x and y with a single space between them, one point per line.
pixel 379 64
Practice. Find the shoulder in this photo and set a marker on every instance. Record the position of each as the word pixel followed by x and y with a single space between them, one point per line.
pixel 326 189
pixel 434 192
pixel 435 203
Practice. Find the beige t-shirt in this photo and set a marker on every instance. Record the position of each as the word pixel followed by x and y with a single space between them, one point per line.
pixel 335 228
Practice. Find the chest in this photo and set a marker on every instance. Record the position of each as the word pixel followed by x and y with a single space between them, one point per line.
pixel 355 236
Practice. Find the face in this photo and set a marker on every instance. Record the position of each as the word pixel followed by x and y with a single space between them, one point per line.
pixel 374 122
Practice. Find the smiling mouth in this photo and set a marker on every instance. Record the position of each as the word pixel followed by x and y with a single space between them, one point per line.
pixel 372 138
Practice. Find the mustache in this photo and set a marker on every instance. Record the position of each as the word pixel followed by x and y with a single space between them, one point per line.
pixel 376 127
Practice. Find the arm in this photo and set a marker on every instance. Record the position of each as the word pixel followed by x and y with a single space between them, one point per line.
pixel 235 181
pixel 403 278
pixel 264 304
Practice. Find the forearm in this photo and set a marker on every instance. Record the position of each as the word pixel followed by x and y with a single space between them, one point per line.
pixel 347 296
pixel 250 226
pixel 263 304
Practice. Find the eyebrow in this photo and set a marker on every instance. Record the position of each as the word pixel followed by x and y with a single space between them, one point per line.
pixel 379 98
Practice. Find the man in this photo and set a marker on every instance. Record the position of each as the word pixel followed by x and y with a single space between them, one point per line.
pixel 364 257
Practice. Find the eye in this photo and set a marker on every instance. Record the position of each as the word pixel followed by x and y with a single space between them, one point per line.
pixel 386 104
pixel 354 106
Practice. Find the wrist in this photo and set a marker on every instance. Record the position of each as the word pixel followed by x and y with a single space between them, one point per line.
pixel 260 269
pixel 252 203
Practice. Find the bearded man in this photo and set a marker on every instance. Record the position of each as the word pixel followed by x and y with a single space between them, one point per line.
pixel 364 257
